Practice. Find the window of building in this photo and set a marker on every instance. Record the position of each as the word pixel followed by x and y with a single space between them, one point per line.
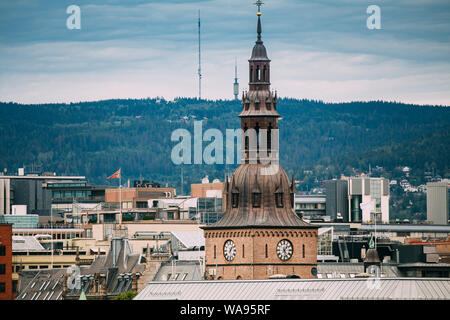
pixel 215 254
pixel 303 250
pixel 256 199
pixel 2 251
pixel 267 251
pixel 235 199
pixel 32 267
pixel 279 199
pixel 2 287
pixel 243 251
pixel 2 268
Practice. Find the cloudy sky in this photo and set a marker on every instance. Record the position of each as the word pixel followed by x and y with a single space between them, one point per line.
pixel 320 49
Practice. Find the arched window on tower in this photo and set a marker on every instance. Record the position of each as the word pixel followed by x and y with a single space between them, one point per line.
pixel 258 74
pixel 251 75
pixel 264 74
pixel 246 140
pixel 269 137
pixel 258 138
pixel 267 251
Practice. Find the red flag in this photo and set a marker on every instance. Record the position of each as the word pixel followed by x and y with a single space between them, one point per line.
pixel 116 175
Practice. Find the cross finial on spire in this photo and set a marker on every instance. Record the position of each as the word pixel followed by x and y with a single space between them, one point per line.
pixel 259 3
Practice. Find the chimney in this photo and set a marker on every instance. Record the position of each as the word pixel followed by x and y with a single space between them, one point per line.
pixel 116 245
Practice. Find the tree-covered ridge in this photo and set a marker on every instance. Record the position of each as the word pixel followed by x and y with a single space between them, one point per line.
pixel 96 138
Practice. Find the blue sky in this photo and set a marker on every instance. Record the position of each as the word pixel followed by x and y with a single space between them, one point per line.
pixel 320 49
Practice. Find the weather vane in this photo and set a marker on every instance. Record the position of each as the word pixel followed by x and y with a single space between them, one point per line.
pixel 259 3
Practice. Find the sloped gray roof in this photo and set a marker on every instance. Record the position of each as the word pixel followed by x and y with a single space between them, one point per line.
pixel 23 243
pixel 117 266
pixel 41 284
pixel 336 269
pixel 300 289
pixel 184 270
pixel 190 238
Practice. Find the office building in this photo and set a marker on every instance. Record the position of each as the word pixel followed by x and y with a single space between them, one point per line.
pixel 311 207
pixel 437 202
pixel 37 192
pixel 368 198
pixel 337 200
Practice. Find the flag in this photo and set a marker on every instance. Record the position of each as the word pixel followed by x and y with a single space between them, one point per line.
pixel 116 175
pixel 371 242
pixel 370 205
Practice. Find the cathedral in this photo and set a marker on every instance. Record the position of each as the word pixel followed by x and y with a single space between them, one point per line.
pixel 260 234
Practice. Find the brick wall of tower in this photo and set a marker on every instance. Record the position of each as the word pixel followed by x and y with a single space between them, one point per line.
pixel 251 261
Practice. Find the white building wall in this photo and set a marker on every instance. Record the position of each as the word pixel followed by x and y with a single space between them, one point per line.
pixel 2 196
pixel 8 196
pixel 385 209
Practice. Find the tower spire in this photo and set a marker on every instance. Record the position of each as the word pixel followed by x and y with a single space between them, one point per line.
pixel 259 3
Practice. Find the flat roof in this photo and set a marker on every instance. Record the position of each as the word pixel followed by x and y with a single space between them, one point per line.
pixel 408 227
pixel 43 177
pixel 47 230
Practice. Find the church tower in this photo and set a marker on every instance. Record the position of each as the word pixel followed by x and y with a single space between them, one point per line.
pixel 260 234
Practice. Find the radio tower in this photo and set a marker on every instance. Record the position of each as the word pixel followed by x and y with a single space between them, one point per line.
pixel 236 83
pixel 199 62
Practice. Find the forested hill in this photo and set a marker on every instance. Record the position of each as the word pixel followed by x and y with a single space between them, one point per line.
pixel 94 139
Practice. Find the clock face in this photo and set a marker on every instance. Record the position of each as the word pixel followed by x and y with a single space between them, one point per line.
pixel 229 250
pixel 284 250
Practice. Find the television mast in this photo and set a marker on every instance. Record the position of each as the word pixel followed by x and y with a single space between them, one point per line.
pixel 199 62
pixel 236 83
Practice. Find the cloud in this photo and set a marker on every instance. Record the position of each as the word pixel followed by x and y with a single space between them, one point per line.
pixel 319 49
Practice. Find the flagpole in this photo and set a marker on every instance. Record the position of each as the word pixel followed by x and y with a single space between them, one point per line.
pixel 120 187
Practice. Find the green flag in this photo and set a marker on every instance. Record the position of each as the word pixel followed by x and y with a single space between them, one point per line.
pixel 371 242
